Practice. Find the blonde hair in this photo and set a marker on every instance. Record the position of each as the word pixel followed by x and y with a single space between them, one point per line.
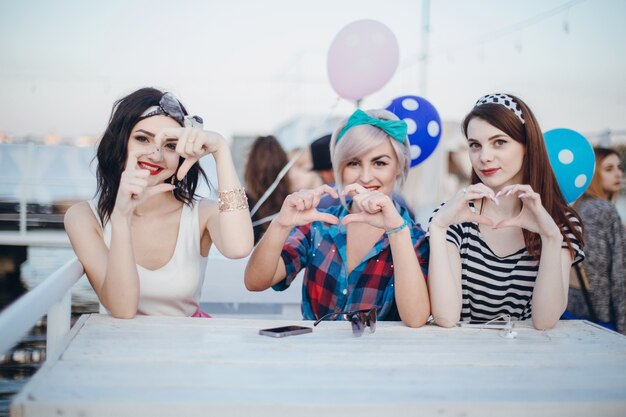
pixel 359 140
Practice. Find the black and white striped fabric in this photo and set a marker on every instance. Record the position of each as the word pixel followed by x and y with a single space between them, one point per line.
pixel 494 285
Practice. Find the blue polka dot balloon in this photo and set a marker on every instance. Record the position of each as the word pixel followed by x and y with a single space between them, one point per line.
pixel 423 122
pixel 572 159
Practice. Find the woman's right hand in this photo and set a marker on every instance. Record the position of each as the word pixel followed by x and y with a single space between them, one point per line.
pixel 457 209
pixel 299 208
pixel 134 188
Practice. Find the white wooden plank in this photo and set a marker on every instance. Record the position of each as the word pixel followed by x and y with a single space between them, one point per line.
pixel 180 366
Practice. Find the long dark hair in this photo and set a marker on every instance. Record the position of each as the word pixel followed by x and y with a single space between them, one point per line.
pixel 537 171
pixel 113 150
pixel 265 160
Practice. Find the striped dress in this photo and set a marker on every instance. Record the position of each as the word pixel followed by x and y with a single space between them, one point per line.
pixel 493 285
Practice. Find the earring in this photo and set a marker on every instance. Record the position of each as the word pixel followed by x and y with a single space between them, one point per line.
pixel 173 179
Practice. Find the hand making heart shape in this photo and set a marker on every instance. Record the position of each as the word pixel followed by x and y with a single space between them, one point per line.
pixel 532 217
pixel 299 208
pixel 372 207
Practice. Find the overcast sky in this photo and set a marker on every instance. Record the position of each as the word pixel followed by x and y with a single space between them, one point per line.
pixel 248 66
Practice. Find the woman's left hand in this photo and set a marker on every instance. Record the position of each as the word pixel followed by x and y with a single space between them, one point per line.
pixel 372 207
pixel 192 144
pixel 533 216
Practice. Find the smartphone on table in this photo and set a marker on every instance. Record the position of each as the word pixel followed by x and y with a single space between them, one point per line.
pixel 285 331
pixel 487 324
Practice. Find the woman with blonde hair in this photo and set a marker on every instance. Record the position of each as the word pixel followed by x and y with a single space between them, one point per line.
pixel 363 256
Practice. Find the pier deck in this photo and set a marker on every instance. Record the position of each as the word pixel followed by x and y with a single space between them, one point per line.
pixel 156 366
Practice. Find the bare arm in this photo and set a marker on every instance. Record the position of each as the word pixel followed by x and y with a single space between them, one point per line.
pixel 266 267
pixel 113 272
pixel 444 266
pixel 549 298
pixel 410 286
pixel 230 230
pixel 551 286
pixel 377 209
pixel 116 283
pixel 444 278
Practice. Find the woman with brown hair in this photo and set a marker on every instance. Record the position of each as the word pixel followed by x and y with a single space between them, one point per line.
pixel 265 161
pixel 504 245
pixel 605 246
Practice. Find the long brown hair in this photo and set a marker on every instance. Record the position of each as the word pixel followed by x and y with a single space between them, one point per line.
pixel 595 189
pixel 265 160
pixel 537 171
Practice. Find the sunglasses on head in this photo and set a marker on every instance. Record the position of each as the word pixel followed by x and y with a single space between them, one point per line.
pixel 170 106
pixel 359 319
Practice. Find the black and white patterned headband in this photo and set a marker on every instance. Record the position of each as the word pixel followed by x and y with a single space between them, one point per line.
pixel 503 100
pixel 170 106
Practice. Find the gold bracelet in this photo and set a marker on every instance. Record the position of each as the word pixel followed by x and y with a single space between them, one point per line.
pixel 232 200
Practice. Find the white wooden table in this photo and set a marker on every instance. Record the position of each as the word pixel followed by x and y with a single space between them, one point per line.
pixel 155 367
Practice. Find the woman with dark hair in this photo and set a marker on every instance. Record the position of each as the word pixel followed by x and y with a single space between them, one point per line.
pixel 265 161
pixel 605 247
pixel 504 245
pixel 145 238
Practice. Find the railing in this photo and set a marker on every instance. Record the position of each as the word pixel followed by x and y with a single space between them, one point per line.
pixel 223 284
pixel 51 297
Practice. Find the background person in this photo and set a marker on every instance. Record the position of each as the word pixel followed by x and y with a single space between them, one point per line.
pixel 605 247
pixel 265 161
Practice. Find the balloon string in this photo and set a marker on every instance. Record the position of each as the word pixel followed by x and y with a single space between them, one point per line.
pixel 286 168
pixel 272 187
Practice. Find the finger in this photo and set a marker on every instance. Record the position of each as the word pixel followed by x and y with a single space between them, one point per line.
pixel 482 189
pixel 374 205
pixel 168 133
pixel 133 158
pixel 135 191
pixel 157 189
pixel 470 196
pixel 185 167
pixel 324 217
pixel 182 142
pixel 354 189
pixel 299 203
pixel 355 218
pixel 481 219
pixel 199 143
pixel 137 181
pixel 309 200
pixel 190 141
pixel 326 189
pixel 140 173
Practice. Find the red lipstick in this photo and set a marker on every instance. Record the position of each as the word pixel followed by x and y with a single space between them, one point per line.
pixel 154 169
pixel 489 171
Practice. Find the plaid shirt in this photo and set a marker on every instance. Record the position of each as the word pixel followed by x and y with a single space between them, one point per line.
pixel 321 249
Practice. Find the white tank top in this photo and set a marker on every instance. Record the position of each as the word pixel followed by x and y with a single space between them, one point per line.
pixel 174 289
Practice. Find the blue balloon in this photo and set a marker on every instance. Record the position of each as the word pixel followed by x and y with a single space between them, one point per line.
pixel 423 122
pixel 572 159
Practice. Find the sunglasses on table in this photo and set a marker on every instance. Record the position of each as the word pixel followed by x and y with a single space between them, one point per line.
pixel 359 319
